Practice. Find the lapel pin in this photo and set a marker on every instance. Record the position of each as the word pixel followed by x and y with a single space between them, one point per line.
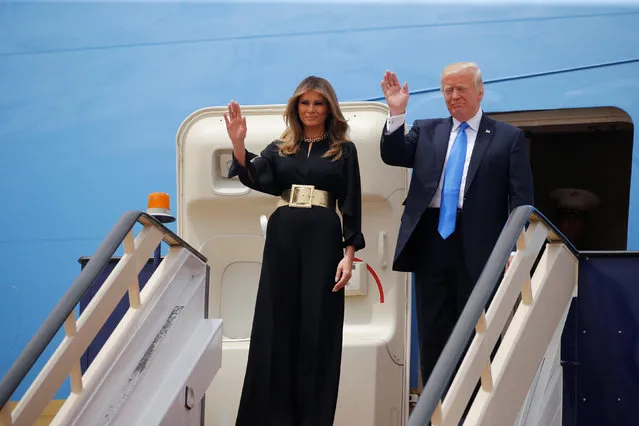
pixel 487 131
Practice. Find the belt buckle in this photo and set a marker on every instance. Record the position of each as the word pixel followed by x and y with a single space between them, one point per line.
pixel 301 196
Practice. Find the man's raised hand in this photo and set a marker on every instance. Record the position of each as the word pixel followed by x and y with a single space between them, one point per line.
pixel 395 94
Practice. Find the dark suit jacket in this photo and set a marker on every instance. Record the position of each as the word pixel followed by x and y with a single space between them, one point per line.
pixel 499 179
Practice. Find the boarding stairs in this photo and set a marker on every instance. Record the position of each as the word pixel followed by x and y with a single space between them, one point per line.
pixel 158 362
pixel 518 318
pixel 550 342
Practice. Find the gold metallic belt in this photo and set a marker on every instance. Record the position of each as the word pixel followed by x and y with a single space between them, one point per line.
pixel 305 196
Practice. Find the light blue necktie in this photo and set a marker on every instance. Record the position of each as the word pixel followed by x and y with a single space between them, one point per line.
pixel 452 183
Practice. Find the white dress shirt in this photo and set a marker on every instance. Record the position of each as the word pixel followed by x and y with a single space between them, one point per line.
pixel 393 123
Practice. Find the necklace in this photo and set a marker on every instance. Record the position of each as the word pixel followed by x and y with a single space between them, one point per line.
pixel 312 140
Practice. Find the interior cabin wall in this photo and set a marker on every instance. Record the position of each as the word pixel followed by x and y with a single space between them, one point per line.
pixel 597 159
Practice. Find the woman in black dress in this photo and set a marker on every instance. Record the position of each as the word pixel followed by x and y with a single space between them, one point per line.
pixel 292 376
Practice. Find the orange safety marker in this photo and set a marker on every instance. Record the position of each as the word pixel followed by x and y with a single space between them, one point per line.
pixel 159 207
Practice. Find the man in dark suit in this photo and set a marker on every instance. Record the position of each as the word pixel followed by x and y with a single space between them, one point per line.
pixel 469 172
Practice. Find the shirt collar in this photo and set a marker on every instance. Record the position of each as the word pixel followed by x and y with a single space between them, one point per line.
pixel 473 123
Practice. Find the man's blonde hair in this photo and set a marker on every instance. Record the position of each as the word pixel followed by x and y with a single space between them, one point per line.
pixel 462 66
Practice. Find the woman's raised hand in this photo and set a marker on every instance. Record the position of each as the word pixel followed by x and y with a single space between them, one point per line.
pixel 236 126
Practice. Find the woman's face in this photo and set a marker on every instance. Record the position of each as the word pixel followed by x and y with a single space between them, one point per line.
pixel 313 109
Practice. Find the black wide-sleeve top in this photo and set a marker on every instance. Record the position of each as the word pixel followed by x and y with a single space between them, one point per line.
pixel 273 173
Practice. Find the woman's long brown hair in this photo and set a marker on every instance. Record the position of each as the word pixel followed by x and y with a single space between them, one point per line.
pixel 335 125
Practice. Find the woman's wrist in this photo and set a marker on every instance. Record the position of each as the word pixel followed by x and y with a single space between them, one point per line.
pixel 240 155
pixel 349 252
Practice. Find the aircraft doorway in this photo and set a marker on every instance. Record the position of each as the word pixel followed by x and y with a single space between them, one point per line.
pixel 587 149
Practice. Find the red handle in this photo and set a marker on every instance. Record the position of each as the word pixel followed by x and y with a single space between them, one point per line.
pixel 376 278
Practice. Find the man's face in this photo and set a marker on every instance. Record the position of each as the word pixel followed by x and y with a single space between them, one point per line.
pixel 462 95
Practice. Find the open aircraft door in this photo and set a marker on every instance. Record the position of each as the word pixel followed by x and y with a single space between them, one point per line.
pixel 221 218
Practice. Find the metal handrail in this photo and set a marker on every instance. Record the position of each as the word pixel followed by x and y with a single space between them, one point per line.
pixel 489 279
pixel 76 291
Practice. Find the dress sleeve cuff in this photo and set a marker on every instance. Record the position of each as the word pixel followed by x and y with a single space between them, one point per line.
pixel 355 239
pixel 236 168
